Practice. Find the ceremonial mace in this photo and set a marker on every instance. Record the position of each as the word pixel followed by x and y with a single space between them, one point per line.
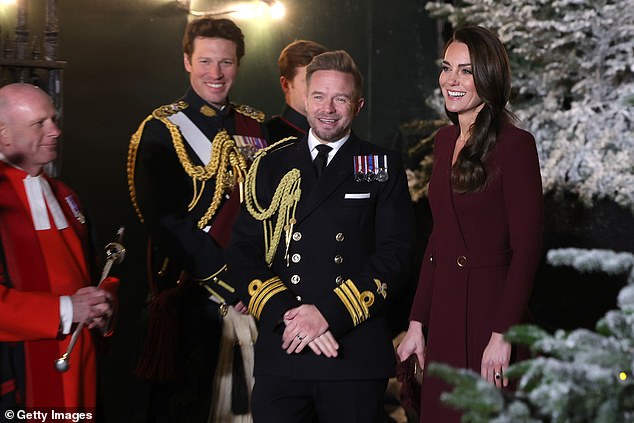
pixel 114 254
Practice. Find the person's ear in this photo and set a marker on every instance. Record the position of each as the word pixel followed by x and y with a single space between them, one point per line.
pixel 359 105
pixel 5 141
pixel 187 62
pixel 284 84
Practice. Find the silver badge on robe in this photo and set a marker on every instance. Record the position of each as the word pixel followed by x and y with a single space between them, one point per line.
pixel 74 208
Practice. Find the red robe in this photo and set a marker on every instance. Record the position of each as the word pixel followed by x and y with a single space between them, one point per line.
pixel 40 267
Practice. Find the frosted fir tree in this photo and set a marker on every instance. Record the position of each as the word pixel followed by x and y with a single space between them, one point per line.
pixel 578 376
pixel 573 77
pixel 418 178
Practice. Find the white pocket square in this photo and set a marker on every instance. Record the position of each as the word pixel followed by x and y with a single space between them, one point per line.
pixel 357 196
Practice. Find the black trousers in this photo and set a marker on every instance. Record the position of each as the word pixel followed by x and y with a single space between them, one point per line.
pixel 281 400
pixel 187 399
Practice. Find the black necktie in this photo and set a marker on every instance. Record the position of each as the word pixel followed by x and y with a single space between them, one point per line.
pixel 322 158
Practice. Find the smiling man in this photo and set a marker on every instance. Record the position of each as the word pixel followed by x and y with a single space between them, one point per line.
pixel 320 285
pixel 46 276
pixel 185 164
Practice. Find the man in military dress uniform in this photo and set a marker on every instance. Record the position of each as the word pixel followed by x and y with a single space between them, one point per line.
pixel 186 168
pixel 319 249
pixel 292 63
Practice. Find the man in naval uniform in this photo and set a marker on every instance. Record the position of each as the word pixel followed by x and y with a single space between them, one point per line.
pixel 292 63
pixel 319 249
pixel 45 268
pixel 186 168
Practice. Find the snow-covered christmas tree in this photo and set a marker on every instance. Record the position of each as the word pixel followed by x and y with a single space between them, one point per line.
pixel 573 76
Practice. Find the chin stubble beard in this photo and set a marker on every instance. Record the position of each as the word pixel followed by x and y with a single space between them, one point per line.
pixel 334 137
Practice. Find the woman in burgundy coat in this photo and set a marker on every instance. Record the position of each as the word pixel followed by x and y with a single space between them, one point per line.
pixel 487 206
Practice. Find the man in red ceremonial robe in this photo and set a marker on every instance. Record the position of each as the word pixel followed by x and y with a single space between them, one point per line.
pixel 44 266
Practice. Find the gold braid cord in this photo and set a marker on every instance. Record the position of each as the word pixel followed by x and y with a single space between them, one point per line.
pixel 283 204
pixel 131 163
pixel 227 165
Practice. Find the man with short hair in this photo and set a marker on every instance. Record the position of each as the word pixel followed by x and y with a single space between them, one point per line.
pixel 292 62
pixel 186 168
pixel 321 246
pixel 45 267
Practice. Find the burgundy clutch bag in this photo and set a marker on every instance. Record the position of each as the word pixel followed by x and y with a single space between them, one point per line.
pixel 406 374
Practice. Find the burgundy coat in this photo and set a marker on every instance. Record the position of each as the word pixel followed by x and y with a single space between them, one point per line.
pixel 481 258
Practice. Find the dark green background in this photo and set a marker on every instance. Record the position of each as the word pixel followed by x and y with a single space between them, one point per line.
pixel 124 58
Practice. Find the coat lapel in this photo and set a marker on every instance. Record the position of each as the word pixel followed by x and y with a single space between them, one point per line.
pixel 302 161
pixel 446 159
pixel 316 191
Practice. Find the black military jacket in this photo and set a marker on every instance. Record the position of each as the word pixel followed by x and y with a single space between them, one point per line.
pixel 164 190
pixel 348 254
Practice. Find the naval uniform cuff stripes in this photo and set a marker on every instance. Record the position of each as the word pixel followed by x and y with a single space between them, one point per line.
pixel 357 303
pixel 262 292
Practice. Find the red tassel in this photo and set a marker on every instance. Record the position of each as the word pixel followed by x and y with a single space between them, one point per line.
pixel 158 360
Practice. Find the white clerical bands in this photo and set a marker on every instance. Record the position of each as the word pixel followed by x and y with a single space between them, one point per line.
pixel 300 337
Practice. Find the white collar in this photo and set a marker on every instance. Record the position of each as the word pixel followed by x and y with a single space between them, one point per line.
pixel 335 145
pixel 39 195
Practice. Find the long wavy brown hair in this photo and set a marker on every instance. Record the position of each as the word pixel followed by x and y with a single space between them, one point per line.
pixel 492 78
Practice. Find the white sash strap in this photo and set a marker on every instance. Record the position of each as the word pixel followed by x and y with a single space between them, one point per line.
pixel 193 135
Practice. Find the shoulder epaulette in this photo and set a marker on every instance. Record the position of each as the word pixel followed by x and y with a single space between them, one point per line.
pixel 283 143
pixel 169 109
pixel 276 146
pixel 249 111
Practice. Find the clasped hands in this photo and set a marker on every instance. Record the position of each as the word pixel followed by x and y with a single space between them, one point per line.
pixel 306 326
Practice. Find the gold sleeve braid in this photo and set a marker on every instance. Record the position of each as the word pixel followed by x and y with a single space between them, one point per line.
pixel 261 292
pixel 227 165
pixel 284 204
pixel 357 303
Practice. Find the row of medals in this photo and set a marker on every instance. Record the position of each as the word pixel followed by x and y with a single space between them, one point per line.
pixel 364 173
pixel 368 173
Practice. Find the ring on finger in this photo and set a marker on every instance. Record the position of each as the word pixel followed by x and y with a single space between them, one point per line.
pixel 498 375
pixel 300 337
